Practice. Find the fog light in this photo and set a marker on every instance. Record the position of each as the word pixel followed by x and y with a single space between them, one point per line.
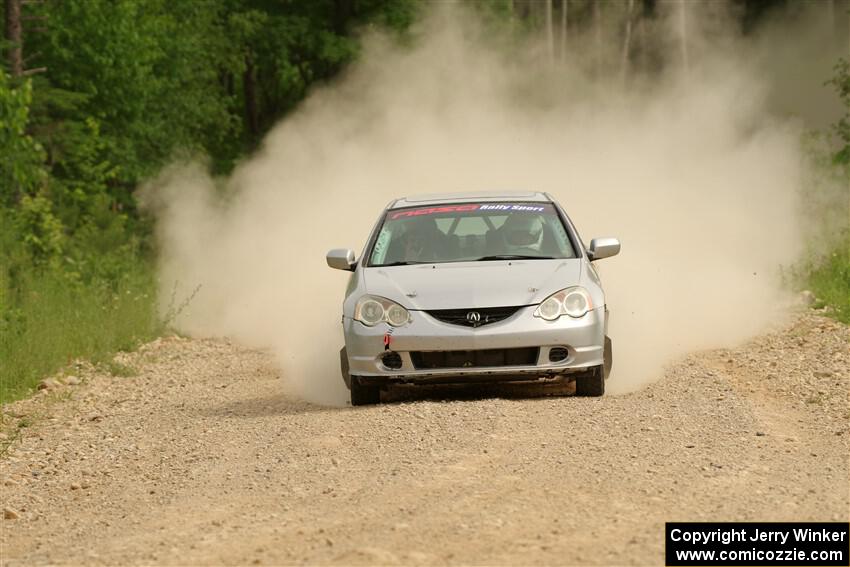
pixel 558 354
pixel 391 360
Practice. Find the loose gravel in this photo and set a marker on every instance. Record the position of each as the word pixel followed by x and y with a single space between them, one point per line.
pixel 201 459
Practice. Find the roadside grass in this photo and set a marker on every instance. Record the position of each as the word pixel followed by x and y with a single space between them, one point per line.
pixel 120 370
pixel 828 278
pixel 51 322
pixel 825 208
pixel 13 426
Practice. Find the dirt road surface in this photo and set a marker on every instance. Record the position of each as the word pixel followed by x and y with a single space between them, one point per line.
pixel 200 459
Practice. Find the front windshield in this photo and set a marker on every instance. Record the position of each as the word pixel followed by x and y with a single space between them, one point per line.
pixel 470 232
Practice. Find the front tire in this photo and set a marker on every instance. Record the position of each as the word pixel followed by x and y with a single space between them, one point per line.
pixel 592 383
pixel 608 356
pixel 343 367
pixel 364 394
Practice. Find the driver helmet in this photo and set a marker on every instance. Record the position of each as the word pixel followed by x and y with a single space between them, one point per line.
pixel 523 231
pixel 419 238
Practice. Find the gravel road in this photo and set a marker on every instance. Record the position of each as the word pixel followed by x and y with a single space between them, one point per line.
pixel 200 459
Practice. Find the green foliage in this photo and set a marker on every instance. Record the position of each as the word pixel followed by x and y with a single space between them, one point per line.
pixel 277 50
pixel 161 78
pixel 829 280
pixel 143 74
pixel 63 298
pixel 825 206
pixel 39 229
pixel 52 323
pixel 74 279
pixel 21 157
pixel 129 86
pixel 828 275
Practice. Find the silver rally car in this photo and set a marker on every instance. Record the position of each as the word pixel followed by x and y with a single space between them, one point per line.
pixel 474 288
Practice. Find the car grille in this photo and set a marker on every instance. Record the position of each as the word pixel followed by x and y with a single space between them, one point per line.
pixel 423 360
pixel 473 317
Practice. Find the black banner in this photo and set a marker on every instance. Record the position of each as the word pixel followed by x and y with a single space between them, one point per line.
pixel 757 543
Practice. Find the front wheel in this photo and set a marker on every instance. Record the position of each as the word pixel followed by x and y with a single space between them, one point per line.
pixel 608 356
pixel 343 367
pixel 591 384
pixel 364 394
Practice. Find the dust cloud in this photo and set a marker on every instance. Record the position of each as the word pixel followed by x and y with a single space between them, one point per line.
pixel 687 168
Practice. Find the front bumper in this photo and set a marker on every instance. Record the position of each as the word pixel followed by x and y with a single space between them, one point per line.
pixel 582 338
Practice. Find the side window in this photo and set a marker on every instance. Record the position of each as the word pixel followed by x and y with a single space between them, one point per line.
pixel 562 241
pixel 382 244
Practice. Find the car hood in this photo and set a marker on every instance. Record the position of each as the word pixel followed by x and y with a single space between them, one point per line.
pixel 461 285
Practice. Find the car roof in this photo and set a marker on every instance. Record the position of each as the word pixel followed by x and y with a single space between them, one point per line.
pixel 445 198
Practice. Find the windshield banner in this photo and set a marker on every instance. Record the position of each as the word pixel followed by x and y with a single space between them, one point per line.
pixel 471 207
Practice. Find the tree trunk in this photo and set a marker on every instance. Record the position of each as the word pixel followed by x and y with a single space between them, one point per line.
pixel 14 37
pixel 250 92
pixel 550 32
pixel 343 12
pixel 627 42
pixel 830 12
pixel 683 34
pixel 597 29
pixel 565 6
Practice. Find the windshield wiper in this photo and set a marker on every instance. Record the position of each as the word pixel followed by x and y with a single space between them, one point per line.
pixel 402 263
pixel 513 257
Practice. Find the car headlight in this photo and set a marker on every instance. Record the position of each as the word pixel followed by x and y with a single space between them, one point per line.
pixel 371 310
pixel 573 301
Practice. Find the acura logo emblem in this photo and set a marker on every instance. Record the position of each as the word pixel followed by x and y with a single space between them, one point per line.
pixel 473 317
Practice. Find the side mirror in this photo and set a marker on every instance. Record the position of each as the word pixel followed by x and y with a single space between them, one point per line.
pixel 603 248
pixel 341 259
